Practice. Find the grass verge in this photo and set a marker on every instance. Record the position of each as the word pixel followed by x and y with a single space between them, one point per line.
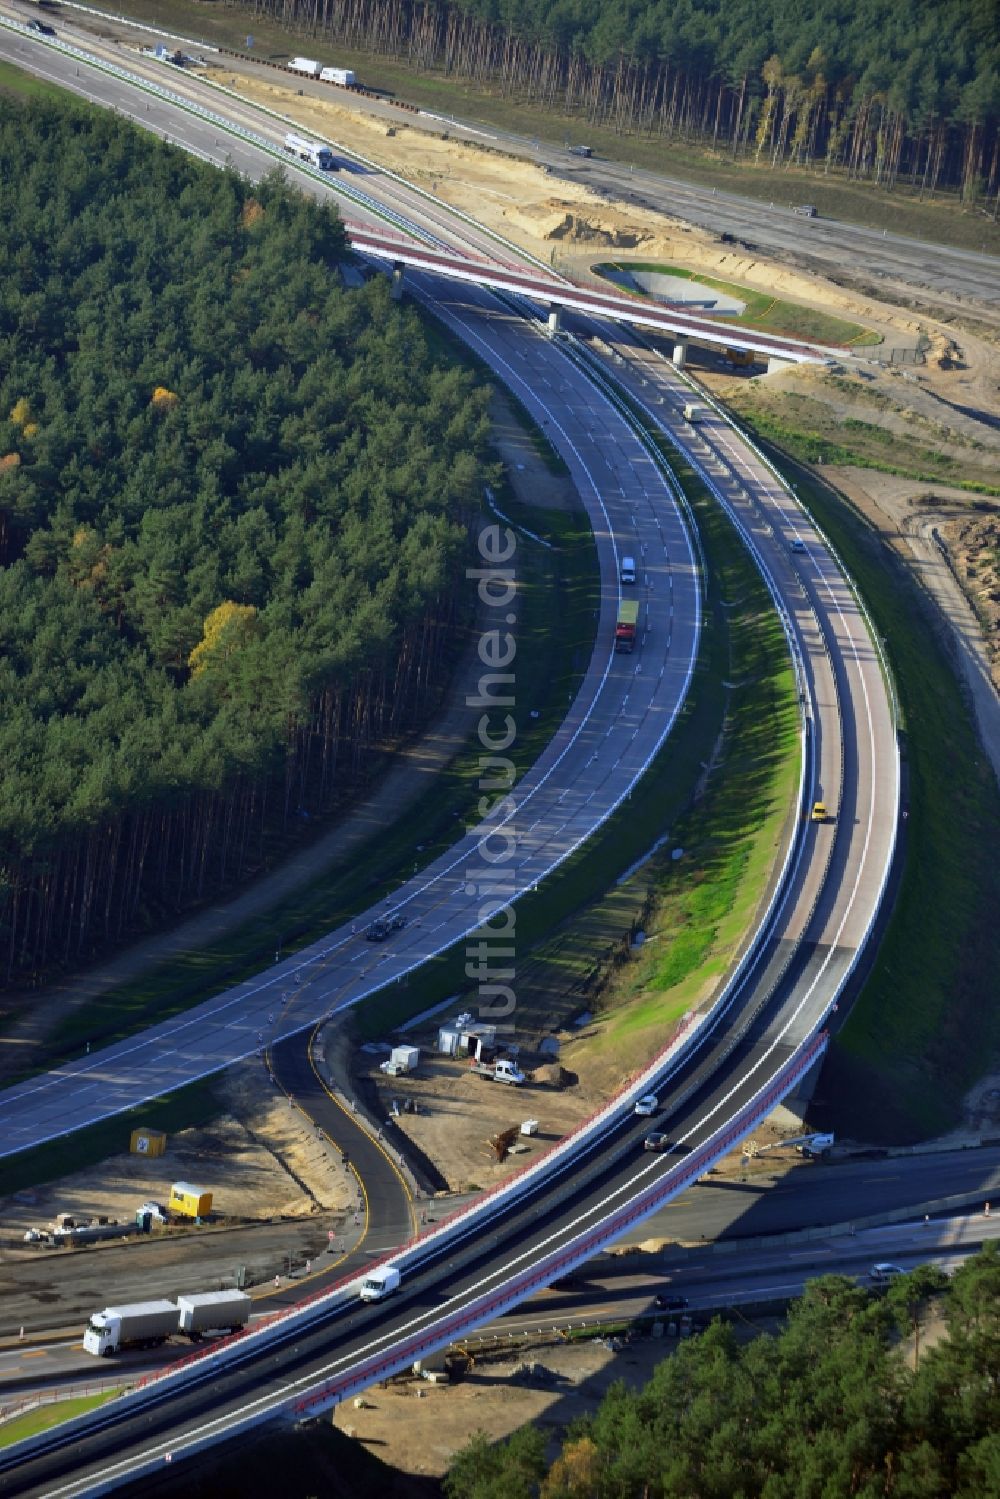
pixel 697 909
pixel 21 87
pixel 44 1417
pixel 806 431
pixel 764 312
pixel 924 1025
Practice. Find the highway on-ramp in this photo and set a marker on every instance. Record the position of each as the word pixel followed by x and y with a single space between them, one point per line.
pixel 464 1274
pixel 618 721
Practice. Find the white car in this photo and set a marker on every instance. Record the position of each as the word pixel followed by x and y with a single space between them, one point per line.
pixel 647 1105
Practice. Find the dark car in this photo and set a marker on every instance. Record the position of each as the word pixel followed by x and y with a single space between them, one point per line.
pixel 42 27
pixel 666 1303
pixel 397 922
pixel 378 931
pixel 656 1142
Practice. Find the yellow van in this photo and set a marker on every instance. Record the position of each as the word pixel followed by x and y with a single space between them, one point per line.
pixel 819 812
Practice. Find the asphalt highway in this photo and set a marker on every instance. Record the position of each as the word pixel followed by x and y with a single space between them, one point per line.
pixel 822 908
pixel 954 277
pixel 773 1203
pixel 619 719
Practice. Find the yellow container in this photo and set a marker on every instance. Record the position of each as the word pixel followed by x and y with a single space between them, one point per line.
pixel 148 1142
pixel 189 1201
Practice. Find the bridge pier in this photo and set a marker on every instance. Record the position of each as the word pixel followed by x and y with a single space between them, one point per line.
pixel 555 319
pixel 680 353
pixel 396 289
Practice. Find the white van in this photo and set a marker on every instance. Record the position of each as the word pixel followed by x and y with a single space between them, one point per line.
pixel 379 1283
pixel 628 569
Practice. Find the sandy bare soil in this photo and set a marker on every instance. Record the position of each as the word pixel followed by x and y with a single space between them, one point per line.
pixel 951 402
pixel 418 1427
pixel 461 1112
pixel 260 1161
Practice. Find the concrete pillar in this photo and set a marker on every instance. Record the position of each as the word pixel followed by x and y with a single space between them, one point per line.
pixel 680 353
pixel 396 291
pixel 775 365
pixel 555 319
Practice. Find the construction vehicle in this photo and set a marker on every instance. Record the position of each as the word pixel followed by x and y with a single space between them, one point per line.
pixel 626 626
pixel 812 1145
pixel 742 358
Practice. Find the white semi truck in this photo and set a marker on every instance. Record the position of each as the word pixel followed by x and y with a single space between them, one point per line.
pixel 308 66
pixel 343 76
pixel 314 152
pixel 146 1324
pixel 139 1324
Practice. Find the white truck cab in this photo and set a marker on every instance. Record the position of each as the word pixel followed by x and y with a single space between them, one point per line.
pixel 628 569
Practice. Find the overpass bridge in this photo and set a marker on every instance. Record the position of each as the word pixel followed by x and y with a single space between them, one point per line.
pixel 559 294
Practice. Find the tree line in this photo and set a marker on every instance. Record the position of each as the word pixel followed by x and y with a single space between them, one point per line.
pixel 234 500
pixel 846 1400
pixel 884 90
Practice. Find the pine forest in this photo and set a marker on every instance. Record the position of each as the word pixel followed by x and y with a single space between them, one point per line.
pixel 234 505
pixel 886 91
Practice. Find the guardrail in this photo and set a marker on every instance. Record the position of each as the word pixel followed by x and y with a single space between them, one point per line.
pixel 490 1306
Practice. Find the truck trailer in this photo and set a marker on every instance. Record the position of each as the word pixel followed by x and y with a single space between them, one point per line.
pixel 626 626
pixel 344 76
pixel 212 1311
pixel 141 1324
pixel 146 1324
pixel 308 66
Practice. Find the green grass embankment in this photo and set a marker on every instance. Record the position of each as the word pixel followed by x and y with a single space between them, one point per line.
pixel 572 947
pixel 926 1023
pixel 762 311
pixel 54 1413
pixel 16 84
pixel 702 904
pixel 805 431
